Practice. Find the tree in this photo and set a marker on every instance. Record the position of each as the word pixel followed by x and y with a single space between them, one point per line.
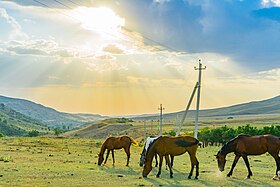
pixel 33 133
pixel 57 131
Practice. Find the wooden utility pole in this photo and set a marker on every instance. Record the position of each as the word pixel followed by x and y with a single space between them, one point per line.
pixel 196 88
pixel 187 109
pixel 198 96
pixel 145 131
pixel 160 120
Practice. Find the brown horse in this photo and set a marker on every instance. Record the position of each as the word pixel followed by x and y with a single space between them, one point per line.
pixel 173 146
pixel 144 152
pixel 117 142
pixel 244 145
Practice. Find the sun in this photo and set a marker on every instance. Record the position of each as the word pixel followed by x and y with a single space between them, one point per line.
pixel 99 19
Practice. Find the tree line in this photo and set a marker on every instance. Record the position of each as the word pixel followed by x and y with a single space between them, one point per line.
pixel 221 135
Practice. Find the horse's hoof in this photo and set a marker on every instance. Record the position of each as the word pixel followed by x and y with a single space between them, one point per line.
pixel 276 178
pixel 228 175
pixel 157 176
pixel 196 178
pixel 189 177
pixel 171 177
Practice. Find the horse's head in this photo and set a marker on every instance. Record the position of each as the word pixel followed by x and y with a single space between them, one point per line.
pixel 100 159
pixel 221 158
pixel 147 169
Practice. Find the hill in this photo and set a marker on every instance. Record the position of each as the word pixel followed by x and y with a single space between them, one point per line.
pixel 48 116
pixel 104 128
pixel 268 106
pixel 13 123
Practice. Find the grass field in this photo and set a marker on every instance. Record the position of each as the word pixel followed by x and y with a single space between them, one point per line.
pixel 45 161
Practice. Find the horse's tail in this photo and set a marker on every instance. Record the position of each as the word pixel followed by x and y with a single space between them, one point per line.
pixel 133 141
pixel 184 143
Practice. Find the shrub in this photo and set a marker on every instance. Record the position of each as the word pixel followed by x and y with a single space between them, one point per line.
pixel 33 133
pixel 221 135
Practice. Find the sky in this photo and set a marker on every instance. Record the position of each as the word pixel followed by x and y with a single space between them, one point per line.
pixel 124 57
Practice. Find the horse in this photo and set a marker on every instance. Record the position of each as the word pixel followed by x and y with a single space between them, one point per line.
pixel 244 145
pixel 174 146
pixel 116 142
pixel 149 141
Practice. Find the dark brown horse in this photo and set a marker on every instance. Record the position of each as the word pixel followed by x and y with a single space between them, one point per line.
pixel 117 142
pixel 173 146
pixel 244 145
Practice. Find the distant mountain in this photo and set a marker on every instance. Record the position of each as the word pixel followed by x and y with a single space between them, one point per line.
pixel 13 123
pixel 47 115
pixel 268 106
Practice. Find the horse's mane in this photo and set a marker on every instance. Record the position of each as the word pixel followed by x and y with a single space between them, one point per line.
pixel 223 149
pixel 150 141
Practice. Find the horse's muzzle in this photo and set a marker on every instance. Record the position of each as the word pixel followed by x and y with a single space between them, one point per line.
pixel 221 169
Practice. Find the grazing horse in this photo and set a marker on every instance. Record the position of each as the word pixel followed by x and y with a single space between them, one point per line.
pixel 148 142
pixel 171 145
pixel 115 142
pixel 244 145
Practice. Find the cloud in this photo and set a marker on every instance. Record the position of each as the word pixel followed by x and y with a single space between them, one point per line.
pixel 113 48
pixel 40 47
pixel 16 30
pixel 270 3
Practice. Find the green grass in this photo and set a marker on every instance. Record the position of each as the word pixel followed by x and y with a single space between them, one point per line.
pixel 46 161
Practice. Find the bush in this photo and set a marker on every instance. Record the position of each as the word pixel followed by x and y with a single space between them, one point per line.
pixel 57 131
pixel 221 135
pixel 33 133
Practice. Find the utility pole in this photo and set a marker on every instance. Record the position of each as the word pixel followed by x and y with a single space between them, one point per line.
pixel 160 120
pixel 187 109
pixel 198 96
pixel 145 131
pixel 152 126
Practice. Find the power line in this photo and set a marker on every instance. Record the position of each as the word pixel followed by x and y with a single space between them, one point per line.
pixel 159 46
pixel 129 30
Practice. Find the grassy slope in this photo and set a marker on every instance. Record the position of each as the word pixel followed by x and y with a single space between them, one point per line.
pixel 108 127
pixel 47 162
pixel 13 123
pixel 268 106
pixel 48 115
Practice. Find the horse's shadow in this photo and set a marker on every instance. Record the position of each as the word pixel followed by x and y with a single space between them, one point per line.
pixel 119 170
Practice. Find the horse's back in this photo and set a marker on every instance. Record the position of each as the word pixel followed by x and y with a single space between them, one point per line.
pixel 117 142
pixel 174 145
pixel 256 145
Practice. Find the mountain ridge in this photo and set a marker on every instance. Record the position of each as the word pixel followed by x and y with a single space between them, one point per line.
pixel 47 115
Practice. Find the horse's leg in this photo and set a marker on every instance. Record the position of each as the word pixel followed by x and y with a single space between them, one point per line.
pixel 127 151
pixel 172 159
pixel 156 160
pixel 245 158
pixel 107 156
pixel 197 169
pixel 277 160
pixel 169 165
pixel 194 162
pixel 113 157
pixel 236 158
pixel 160 164
pixel 166 165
